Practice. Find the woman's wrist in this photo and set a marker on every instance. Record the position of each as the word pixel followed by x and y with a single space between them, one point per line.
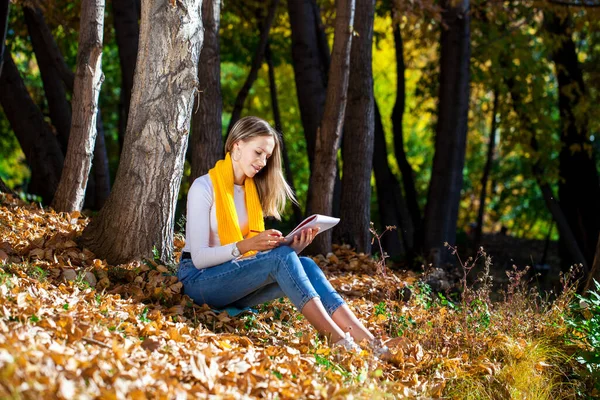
pixel 243 246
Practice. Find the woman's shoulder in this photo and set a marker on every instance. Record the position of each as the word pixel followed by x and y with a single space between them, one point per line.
pixel 202 186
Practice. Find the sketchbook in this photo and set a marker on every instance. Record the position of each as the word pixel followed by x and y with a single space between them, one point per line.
pixel 314 221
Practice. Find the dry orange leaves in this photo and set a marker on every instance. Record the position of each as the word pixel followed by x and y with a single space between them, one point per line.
pixel 72 326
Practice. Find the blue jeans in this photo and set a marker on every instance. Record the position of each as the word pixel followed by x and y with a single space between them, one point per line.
pixel 254 280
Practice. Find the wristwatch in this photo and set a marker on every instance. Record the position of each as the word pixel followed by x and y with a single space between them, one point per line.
pixel 236 252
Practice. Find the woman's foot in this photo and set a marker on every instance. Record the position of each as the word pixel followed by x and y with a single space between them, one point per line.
pixel 348 343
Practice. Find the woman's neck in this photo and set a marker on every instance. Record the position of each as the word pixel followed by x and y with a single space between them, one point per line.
pixel 239 177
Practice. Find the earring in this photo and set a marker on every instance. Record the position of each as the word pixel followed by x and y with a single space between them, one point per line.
pixel 239 155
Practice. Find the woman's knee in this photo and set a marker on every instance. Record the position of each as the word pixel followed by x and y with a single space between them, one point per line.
pixel 311 267
pixel 284 252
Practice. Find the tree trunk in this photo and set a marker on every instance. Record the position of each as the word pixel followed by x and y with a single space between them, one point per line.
pixel 359 126
pixel 37 141
pixel 54 88
pixel 405 168
pixel 4 11
pixel 328 135
pixel 289 175
pixel 389 195
pixel 310 58
pixel 446 177
pixel 127 32
pixel 206 141
pixel 70 193
pixel 4 188
pixel 139 214
pixel 577 163
pixel 486 174
pixel 100 168
pixel 256 64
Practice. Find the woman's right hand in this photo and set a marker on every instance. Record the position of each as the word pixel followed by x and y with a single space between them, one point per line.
pixel 266 240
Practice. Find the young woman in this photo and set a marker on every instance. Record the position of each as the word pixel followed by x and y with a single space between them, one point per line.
pixel 231 260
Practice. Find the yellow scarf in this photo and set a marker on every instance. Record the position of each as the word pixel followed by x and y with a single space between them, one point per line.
pixel 227 219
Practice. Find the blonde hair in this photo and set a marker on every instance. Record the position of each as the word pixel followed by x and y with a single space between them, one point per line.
pixel 273 190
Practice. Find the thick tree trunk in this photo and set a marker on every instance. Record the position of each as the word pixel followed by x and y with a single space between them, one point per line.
pixel 359 126
pixel 328 135
pixel 486 174
pixel 54 88
pixel 70 193
pixel 37 141
pixel 389 195
pixel 206 141
pixel 579 202
pixel 446 177
pixel 310 58
pixel 406 170
pixel 289 175
pixel 139 214
pixel 127 32
pixel 256 64
pixel 4 11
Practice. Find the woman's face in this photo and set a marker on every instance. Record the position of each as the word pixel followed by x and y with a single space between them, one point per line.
pixel 253 154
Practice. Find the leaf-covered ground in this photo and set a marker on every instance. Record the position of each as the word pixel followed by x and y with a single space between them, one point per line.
pixel 72 326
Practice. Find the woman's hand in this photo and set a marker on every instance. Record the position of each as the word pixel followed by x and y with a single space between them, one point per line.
pixel 304 239
pixel 266 240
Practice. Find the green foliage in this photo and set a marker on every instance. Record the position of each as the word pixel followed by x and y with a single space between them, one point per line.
pixel 585 329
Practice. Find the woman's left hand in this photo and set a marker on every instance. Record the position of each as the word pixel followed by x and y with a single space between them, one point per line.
pixel 304 239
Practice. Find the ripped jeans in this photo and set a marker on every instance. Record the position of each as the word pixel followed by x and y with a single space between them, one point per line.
pixel 254 280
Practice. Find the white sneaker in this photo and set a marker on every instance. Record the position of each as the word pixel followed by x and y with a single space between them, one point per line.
pixel 348 344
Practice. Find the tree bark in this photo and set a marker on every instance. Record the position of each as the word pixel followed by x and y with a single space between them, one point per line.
pixel 289 175
pixel 206 141
pixel 406 170
pixel 35 136
pixel 578 202
pixel 310 57
pixel 70 193
pixel 54 88
pixel 127 32
pixel 100 169
pixel 359 126
pixel 486 174
pixel 390 201
pixel 4 12
pixel 139 214
pixel 451 133
pixel 328 135
pixel 4 188
pixel 256 64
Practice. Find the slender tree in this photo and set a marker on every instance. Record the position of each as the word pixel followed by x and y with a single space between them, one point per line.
pixel 127 32
pixel 322 179
pixel 451 133
pixel 357 146
pixel 54 88
pixel 139 215
pixel 289 175
pixel 256 64
pixel 486 172
pixel 414 226
pixel 390 201
pixel 70 193
pixel 206 141
pixel 595 270
pixel 41 149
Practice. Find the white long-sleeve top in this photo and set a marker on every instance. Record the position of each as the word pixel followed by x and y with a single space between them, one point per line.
pixel 201 232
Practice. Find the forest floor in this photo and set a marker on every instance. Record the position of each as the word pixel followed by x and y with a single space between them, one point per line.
pixel 72 326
